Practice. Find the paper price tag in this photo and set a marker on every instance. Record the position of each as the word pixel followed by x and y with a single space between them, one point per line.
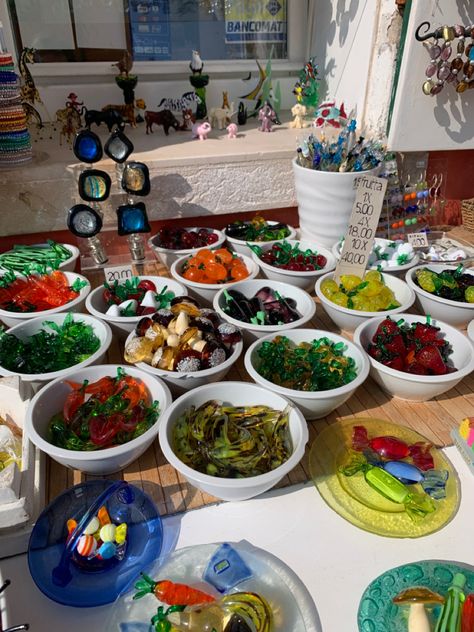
pixel 363 224
pixel 417 240
pixel 118 273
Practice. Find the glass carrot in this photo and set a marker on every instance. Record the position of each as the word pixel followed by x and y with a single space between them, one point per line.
pixel 170 593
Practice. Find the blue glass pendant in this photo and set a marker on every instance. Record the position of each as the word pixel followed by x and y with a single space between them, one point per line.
pixel 226 569
pixel 94 185
pixel 87 147
pixel 84 221
pixel 136 178
pixel 118 147
pixel 132 218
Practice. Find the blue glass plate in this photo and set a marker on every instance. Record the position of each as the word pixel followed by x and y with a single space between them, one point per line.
pixel 377 613
pixel 294 608
pixel 51 563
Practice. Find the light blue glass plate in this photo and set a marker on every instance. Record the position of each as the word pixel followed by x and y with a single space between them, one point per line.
pixel 377 612
pixel 293 607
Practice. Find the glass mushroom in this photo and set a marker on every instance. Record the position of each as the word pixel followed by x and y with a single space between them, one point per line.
pixel 417 598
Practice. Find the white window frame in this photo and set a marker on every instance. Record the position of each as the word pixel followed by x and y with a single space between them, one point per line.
pixel 298 34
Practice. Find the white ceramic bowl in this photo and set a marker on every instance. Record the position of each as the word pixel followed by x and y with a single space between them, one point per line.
pixel 207 291
pixel 66 266
pixel 179 382
pixel 418 388
pixel 348 319
pixel 240 246
pixel 470 330
pixel 10 319
pixel 50 400
pixel 453 312
pixel 30 327
pixel 122 325
pixel 305 305
pixel 235 394
pixel 304 280
pixel 399 270
pixel 167 256
pixel 313 404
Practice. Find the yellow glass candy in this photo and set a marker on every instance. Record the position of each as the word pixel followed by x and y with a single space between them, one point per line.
pixel 369 294
pixel 373 288
pixel 350 281
pixel 340 299
pixel 121 533
pixel 139 350
pixel 373 275
pixel 329 287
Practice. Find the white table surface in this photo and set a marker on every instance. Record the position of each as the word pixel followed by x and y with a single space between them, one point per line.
pixel 334 559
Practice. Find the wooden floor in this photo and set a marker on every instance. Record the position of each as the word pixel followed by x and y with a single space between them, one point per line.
pixel 172 494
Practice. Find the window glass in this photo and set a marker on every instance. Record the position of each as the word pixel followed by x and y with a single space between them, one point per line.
pixel 152 30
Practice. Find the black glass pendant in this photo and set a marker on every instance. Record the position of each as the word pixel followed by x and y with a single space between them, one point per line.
pixel 132 218
pixel 136 178
pixel 84 221
pixel 94 185
pixel 87 147
pixel 118 147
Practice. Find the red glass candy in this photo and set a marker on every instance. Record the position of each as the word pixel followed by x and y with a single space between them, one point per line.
pixel 390 447
pixel 360 438
pixel 421 455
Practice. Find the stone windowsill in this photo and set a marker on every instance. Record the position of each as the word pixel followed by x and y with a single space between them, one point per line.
pixel 190 178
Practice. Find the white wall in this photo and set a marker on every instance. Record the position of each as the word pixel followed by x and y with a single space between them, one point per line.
pixel 421 122
pixel 342 36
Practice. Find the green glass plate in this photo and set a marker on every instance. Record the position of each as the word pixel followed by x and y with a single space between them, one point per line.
pixel 377 613
pixel 353 499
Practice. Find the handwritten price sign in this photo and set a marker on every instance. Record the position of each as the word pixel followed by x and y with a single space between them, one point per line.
pixel 362 226
pixel 118 273
pixel 418 240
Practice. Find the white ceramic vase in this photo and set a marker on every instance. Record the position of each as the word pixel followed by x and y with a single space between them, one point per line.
pixel 325 201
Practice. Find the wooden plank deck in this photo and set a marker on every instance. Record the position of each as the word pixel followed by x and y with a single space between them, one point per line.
pixel 172 494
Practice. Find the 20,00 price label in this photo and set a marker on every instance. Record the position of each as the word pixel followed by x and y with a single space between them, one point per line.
pixel 362 226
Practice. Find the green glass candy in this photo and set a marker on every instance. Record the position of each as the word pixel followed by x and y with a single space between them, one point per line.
pixel 319 365
pixel 47 351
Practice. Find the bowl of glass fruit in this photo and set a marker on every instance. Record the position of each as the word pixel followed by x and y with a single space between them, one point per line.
pixel 414 357
pixel 354 299
pixel 317 370
pixel 233 440
pixel 40 295
pixel 186 345
pixel 242 234
pixel 260 309
pixel 208 271
pixel 297 262
pixel 444 291
pixel 387 255
pixel 123 304
pixel 40 350
pixel 49 255
pixel 99 418
pixel 169 244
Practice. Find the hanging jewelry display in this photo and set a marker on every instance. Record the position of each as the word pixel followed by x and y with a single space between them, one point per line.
pixel 441 68
pixel 94 185
pixel 86 222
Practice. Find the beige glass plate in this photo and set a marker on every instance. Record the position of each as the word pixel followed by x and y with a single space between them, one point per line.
pixel 354 500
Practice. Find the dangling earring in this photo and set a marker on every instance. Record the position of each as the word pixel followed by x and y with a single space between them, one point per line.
pixel 433 194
